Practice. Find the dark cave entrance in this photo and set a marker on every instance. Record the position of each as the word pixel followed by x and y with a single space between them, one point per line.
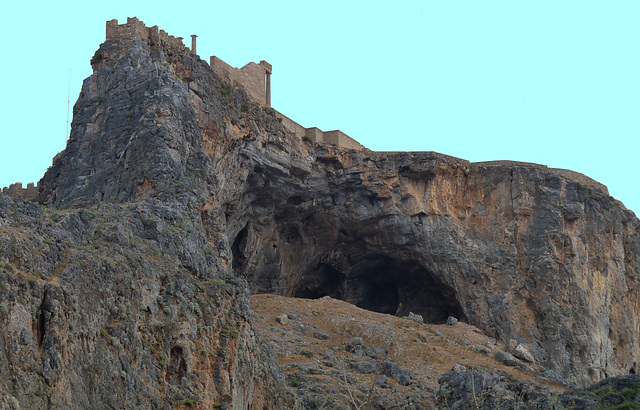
pixel 325 281
pixel 384 285
pixel 238 249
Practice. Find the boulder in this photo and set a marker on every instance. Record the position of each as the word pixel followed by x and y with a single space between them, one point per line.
pixel 522 352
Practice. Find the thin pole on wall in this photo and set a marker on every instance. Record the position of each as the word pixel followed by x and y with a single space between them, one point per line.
pixel 68 105
pixel 268 88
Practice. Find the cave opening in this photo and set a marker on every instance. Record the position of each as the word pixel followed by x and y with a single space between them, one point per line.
pixel 238 249
pixel 325 281
pixel 177 365
pixel 385 285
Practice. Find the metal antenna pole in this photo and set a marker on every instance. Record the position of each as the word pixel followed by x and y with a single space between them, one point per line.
pixel 68 105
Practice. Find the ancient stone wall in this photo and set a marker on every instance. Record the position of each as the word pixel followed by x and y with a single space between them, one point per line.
pixel 135 29
pixel 255 78
pixel 252 77
pixel 315 134
pixel 16 191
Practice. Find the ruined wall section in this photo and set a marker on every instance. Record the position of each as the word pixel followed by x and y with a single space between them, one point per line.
pixel 315 134
pixel 341 139
pixel 252 77
pixel 134 29
pixel 16 191
pixel 255 78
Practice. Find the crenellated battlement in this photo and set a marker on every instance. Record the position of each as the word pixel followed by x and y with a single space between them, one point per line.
pixel 16 191
pixel 134 29
pixel 254 78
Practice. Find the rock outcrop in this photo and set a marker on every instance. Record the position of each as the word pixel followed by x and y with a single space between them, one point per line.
pixel 175 188
pixel 523 252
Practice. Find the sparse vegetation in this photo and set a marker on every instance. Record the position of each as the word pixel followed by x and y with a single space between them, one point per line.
pixel 297 381
pixel 629 393
pixel 97 57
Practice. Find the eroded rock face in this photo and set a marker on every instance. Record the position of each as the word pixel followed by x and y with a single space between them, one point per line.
pixel 541 256
pixel 127 301
pixel 123 306
pixel 522 252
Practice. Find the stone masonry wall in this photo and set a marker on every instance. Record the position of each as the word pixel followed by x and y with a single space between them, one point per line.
pixel 16 191
pixel 251 77
pixel 315 134
pixel 254 78
pixel 136 29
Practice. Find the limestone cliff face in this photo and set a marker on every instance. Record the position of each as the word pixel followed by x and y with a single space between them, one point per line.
pixel 185 188
pixel 522 252
pixel 117 296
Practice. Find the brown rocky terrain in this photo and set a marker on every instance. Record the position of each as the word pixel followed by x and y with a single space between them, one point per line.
pixel 177 197
pixel 311 345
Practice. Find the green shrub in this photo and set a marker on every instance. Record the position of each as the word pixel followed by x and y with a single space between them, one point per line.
pixel 97 57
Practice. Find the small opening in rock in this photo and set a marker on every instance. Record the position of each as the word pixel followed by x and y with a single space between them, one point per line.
pixel 38 326
pixel 177 365
pixel 238 249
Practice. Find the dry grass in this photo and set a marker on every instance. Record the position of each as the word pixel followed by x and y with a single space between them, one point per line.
pixel 412 345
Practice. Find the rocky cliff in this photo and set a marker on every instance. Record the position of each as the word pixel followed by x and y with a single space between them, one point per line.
pixel 176 195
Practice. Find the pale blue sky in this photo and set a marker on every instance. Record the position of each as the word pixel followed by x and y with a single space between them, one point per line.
pixel 551 82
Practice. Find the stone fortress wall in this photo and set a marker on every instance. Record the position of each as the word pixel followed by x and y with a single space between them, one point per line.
pixel 254 78
pixel 135 29
pixel 16 191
